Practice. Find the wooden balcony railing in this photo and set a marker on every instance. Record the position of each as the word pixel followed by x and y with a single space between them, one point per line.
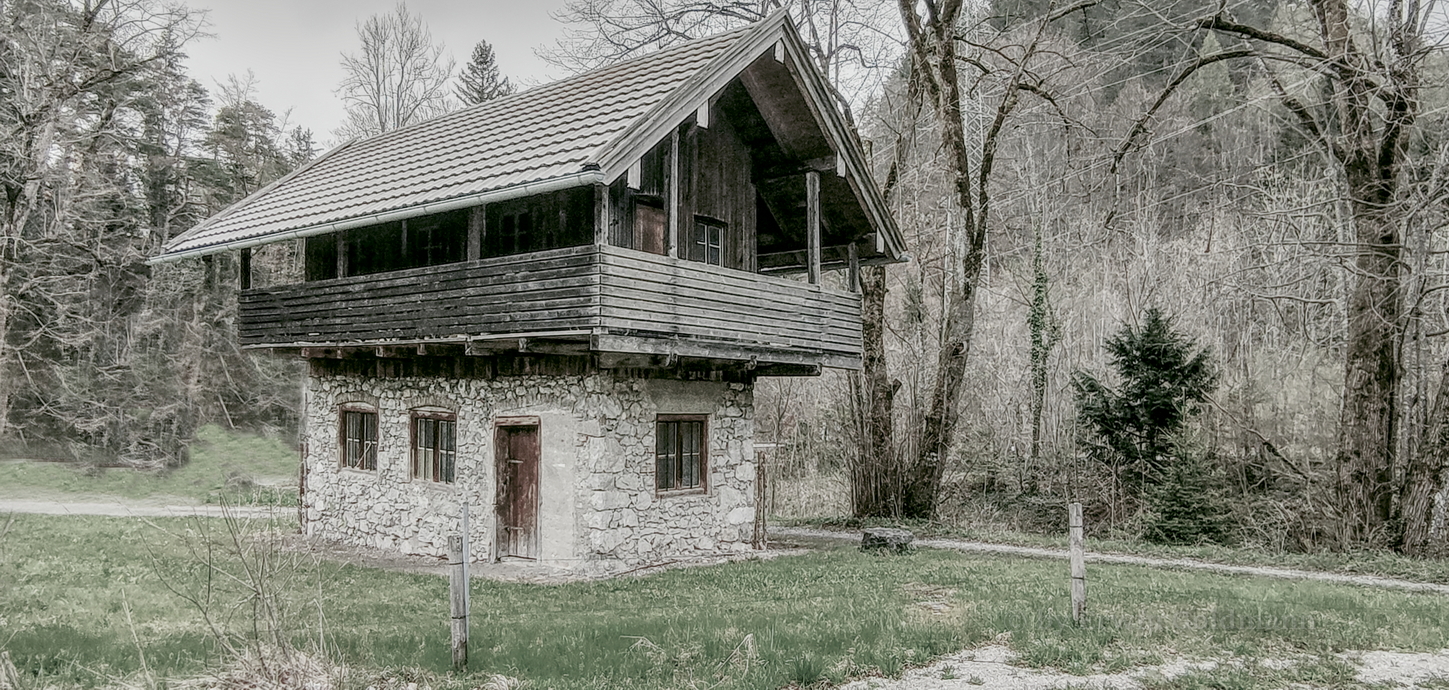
pixel 623 300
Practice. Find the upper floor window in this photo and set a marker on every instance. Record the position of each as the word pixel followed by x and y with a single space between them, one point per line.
pixel 679 458
pixel 434 446
pixel 708 242
pixel 358 435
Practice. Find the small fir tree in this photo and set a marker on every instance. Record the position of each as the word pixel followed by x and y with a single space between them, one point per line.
pixel 1164 377
pixel 480 80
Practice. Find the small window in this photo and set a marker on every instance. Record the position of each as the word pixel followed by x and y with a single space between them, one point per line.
pixel 434 446
pixel 708 242
pixel 359 439
pixel 680 444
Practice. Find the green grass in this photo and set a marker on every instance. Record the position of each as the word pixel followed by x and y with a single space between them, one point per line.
pixel 1381 563
pixel 67 583
pixel 225 466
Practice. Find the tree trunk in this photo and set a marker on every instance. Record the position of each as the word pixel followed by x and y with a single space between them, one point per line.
pixel 876 473
pixel 1424 479
pixel 1366 455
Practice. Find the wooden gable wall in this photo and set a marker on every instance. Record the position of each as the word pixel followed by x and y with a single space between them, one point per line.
pixel 715 169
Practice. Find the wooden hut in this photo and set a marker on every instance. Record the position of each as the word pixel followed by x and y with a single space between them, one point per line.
pixel 554 306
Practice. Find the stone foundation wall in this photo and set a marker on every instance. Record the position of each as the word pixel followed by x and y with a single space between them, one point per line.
pixel 596 488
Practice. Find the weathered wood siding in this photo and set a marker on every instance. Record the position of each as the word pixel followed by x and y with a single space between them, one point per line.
pixel 715 169
pixel 598 289
pixel 550 290
pixel 672 298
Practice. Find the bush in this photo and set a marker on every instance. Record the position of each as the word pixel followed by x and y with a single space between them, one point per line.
pixel 1186 506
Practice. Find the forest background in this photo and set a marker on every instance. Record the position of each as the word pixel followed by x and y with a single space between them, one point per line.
pixel 1256 186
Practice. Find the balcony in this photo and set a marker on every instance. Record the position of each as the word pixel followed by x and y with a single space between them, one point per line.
pixel 624 305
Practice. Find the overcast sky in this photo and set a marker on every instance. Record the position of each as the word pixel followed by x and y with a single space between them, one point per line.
pixel 294 47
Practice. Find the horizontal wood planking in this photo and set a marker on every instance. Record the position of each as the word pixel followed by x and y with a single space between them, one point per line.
pixel 542 291
pixel 642 292
pixel 584 288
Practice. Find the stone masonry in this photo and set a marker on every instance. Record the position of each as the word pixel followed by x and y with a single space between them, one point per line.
pixel 597 488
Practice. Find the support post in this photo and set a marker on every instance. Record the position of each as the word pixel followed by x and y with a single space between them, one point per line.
pixel 1076 544
pixel 477 217
pixel 458 592
pixel 812 225
pixel 244 268
pixel 674 220
pixel 761 529
pixel 854 268
pixel 603 215
pixel 341 254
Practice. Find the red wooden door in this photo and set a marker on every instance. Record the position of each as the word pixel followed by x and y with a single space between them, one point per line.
pixel 517 457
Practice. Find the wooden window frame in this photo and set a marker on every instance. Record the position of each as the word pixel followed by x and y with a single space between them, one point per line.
pixel 435 465
pixel 702 473
pixel 363 463
pixel 699 240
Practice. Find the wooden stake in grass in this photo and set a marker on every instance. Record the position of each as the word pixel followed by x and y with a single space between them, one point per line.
pixel 1075 542
pixel 458 580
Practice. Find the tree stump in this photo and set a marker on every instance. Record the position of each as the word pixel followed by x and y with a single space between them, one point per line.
pixel 886 540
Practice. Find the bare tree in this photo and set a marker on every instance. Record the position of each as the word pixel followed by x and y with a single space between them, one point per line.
pixel 399 77
pixel 1363 117
pixel 933 33
pixel 852 41
pixel 63 70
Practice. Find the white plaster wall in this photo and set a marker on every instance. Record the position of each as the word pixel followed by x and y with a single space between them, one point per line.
pixel 596 492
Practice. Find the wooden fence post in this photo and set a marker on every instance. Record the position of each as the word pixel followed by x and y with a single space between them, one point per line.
pixel 1075 542
pixel 458 557
pixel 762 536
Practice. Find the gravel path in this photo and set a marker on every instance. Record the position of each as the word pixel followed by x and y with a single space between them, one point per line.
pixel 137 509
pixel 1175 563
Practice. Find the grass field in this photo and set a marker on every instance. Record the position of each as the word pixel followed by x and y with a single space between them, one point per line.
pixel 81 603
pixel 225 465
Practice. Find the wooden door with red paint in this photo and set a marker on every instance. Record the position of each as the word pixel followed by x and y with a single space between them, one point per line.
pixel 517 453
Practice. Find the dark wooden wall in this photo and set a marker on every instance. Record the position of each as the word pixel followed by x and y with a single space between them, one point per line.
pixel 715 168
pixel 715 171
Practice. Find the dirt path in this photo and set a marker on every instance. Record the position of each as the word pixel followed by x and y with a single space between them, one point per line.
pixel 1174 563
pixel 113 508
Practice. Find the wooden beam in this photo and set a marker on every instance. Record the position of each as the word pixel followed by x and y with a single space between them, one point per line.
pixel 603 217
pixel 244 268
pixel 812 226
pixel 477 222
pixel 341 254
pixel 674 197
pixel 854 280
pixel 779 51
pixel 777 172
pixel 634 178
pixel 701 116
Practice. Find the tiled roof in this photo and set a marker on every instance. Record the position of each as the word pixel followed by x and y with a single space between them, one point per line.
pixel 546 133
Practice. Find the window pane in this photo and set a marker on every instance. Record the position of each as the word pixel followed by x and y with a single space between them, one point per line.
pixel 689 450
pixel 422 448
pixel 369 440
pixel 664 442
pixel 712 252
pixel 446 454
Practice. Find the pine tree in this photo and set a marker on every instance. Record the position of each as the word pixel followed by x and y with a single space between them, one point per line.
pixel 1135 430
pixel 480 80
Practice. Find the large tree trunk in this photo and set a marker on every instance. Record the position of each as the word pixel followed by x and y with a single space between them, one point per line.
pixel 875 475
pixel 1366 455
pixel 1424 479
pixel 1371 155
